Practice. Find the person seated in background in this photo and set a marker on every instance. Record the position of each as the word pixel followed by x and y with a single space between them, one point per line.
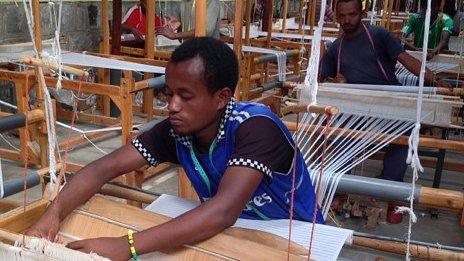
pixel 366 54
pixel 135 20
pixel 185 15
pixel 441 28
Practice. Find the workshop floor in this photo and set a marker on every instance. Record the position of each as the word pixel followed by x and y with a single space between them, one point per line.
pixel 443 229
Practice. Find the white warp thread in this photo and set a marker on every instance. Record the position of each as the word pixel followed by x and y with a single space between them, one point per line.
pixel 281 58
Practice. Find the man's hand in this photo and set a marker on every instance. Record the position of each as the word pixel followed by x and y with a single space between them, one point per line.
pixel 172 22
pixel 441 83
pixel 431 54
pixel 114 248
pixel 339 78
pixel 138 35
pixel 47 227
pixel 166 31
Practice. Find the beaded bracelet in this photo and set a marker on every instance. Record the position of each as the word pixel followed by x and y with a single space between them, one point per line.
pixel 130 239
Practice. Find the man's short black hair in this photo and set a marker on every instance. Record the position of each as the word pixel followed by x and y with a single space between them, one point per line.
pixel 219 61
pixel 359 2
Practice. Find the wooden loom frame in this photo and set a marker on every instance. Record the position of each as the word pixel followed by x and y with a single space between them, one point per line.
pixel 104 217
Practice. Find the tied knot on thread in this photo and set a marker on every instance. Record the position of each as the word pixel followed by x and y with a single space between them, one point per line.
pixel 410 212
pixel 413 150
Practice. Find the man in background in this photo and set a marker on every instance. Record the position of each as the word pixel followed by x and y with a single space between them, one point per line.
pixel 135 20
pixel 185 15
pixel 441 28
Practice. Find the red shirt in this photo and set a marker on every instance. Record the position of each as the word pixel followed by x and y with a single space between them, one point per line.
pixel 136 19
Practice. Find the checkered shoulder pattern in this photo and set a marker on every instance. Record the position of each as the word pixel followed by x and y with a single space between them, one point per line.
pixel 253 164
pixel 144 152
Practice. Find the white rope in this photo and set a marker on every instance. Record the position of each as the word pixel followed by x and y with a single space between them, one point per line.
pixel 413 151
pixel 56 47
pixel 49 115
pixel 313 64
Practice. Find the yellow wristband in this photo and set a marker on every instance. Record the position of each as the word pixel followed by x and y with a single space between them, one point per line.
pixel 130 240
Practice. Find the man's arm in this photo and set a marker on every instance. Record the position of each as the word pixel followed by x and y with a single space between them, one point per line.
pixel 408 45
pixel 328 65
pixel 84 184
pixel 406 31
pixel 129 29
pixel 210 218
pixel 444 39
pixel 414 66
pixel 169 33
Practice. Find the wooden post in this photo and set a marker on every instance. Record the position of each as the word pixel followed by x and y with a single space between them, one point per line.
pixel 312 18
pixel 238 39
pixel 301 16
pixel 37 25
pixel 116 35
pixel 268 17
pixel 148 95
pixel 43 131
pixel 184 186
pixel 284 16
pixel 126 109
pixel 246 74
pixel 104 74
pixel 248 21
pixel 24 136
pixel 389 13
pixel 200 18
pixel 126 124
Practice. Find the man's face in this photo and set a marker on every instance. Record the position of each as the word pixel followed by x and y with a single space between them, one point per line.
pixel 349 16
pixel 433 11
pixel 191 107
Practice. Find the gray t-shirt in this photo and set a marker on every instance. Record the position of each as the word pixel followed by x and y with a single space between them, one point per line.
pixel 186 14
pixel 458 23
pixel 358 62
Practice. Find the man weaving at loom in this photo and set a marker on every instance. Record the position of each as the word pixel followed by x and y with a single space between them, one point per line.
pixel 367 55
pixel 135 20
pixel 441 28
pixel 238 157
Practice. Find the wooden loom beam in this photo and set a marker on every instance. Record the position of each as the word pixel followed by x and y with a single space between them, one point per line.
pixel 237 46
pixel 222 244
pixel 417 251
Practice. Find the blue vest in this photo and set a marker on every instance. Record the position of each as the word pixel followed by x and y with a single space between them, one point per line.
pixel 271 200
